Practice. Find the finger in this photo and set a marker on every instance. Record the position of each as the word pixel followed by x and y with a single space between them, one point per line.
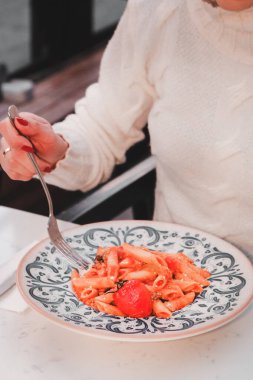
pixel 41 134
pixel 19 162
pixel 13 138
pixel 19 176
pixel 15 170
pixel 31 125
pixel 34 117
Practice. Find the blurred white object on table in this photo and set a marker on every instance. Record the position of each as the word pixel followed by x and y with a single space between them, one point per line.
pixel 17 91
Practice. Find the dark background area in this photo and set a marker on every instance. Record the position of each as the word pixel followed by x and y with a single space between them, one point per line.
pixel 38 37
pixel 42 37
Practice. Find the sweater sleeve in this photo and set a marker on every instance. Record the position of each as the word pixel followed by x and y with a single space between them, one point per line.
pixel 111 116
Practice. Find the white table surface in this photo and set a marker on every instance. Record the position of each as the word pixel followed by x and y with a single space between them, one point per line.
pixel 32 347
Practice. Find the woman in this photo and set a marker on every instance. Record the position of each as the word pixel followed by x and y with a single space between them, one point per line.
pixel 186 69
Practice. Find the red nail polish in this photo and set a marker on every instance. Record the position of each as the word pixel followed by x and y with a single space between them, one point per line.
pixel 27 149
pixel 22 121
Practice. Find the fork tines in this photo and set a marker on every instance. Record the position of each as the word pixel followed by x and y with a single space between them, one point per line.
pixel 69 253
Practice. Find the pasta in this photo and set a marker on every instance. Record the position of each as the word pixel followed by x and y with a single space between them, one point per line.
pixel 134 281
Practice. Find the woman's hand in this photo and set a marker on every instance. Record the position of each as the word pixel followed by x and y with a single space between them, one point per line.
pixel 47 146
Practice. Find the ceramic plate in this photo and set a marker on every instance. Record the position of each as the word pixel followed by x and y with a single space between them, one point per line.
pixel 43 279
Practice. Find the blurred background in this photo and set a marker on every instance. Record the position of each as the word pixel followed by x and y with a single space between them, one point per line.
pixel 37 35
pixel 57 46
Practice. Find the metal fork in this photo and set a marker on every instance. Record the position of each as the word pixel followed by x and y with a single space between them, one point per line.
pixel 55 235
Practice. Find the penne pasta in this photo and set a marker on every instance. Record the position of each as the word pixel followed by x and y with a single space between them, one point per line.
pixel 183 268
pixel 188 275
pixel 170 292
pixel 167 282
pixel 142 275
pixel 101 253
pixel 109 309
pixel 180 302
pixel 88 293
pixel 95 282
pixel 141 254
pixel 188 286
pixel 129 262
pixel 203 272
pixel 160 258
pixel 160 309
pixel 160 282
pixel 105 298
pixel 112 264
pixel 194 275
pixel 93 273
pixel 74 274
pixel 181 256
pixel 123 272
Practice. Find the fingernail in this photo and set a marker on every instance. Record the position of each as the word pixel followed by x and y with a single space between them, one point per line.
pixel 48 169
pixel 27 149
pixel 22 121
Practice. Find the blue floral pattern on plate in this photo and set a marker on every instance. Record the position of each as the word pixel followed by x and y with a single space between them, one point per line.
pixel 44 280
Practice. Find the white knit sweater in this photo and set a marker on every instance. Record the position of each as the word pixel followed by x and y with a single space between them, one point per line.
pixel 187 69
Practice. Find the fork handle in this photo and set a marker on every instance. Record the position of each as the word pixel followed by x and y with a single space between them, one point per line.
pixel 12 113
pixel 43 183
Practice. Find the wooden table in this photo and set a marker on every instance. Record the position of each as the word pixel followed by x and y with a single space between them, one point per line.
pixel 56 94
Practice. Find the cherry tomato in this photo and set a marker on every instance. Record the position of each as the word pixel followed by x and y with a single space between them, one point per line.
pixel 134 299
